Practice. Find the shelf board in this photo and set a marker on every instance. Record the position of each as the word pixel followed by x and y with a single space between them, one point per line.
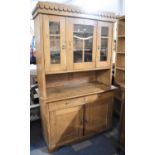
pixel 121 36
pixel 120 68
pixel 76 90
pixel 81 70
pixel 121 53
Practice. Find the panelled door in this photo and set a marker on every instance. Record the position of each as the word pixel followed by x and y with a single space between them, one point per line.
pixel 67 124
pixel 54 43
pixel 104 44
pixel 81 43
pixel 98 115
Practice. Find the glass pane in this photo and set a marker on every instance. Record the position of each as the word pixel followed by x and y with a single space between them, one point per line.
pixel 54 28
pixel 104 43
pixel 103 51
pixel 83 43
pixel 88 50
pixel 78 46
pixel 104 31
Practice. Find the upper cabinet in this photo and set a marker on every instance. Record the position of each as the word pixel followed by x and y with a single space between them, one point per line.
pixel 70 39
pixel 54 43
pixel 87 44
pixel 81 43
pixel 104 44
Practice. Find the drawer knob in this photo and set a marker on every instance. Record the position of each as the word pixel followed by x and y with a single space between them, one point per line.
pixel 66 103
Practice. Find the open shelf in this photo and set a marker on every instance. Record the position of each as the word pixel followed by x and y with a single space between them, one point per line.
pixel 76 90
pixel 121 53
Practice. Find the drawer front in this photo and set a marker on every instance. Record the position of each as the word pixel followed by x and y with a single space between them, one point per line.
pixel 102 96
pixel 91 98
pixel 66 104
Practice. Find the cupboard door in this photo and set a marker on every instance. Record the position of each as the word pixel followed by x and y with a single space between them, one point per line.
pixel 54 43
pixel 98 115
pixel 104 44
pixel 82 43
pixel 67 124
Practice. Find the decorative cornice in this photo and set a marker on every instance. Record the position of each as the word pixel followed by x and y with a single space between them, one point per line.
pixel 48 7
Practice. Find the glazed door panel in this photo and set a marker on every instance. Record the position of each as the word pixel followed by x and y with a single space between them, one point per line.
pixel 54 43
pixel 67 124
pixel 104 44
pixel 81 43
pixel 98 116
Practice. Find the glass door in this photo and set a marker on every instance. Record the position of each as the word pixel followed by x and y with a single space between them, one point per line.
pixel 82 42
pixel 54 41
pixel 104 44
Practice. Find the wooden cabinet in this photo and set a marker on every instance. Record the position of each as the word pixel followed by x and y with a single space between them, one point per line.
pixel 76 44
pixel 74 72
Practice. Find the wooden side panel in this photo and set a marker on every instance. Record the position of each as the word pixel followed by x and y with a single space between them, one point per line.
pixel 98 114
pixel 120 60
pixel 104 76
pixel 45 121
pixel 66 124
pixel 121 45
pixel 38 27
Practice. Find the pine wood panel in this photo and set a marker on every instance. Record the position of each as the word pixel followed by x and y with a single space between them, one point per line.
pixel 70 78
pixel 120 60
pixel 68 124
pixel 121 45
pixel 60 93
pixel 38 30
pixel 53 106
pixel 98 114
pixel 121 27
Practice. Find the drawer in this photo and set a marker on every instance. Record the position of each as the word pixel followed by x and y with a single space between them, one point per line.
pixel 91 98
pixel 66 103
pixel 102 96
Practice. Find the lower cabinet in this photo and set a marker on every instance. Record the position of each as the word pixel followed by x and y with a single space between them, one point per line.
pixel 73 121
